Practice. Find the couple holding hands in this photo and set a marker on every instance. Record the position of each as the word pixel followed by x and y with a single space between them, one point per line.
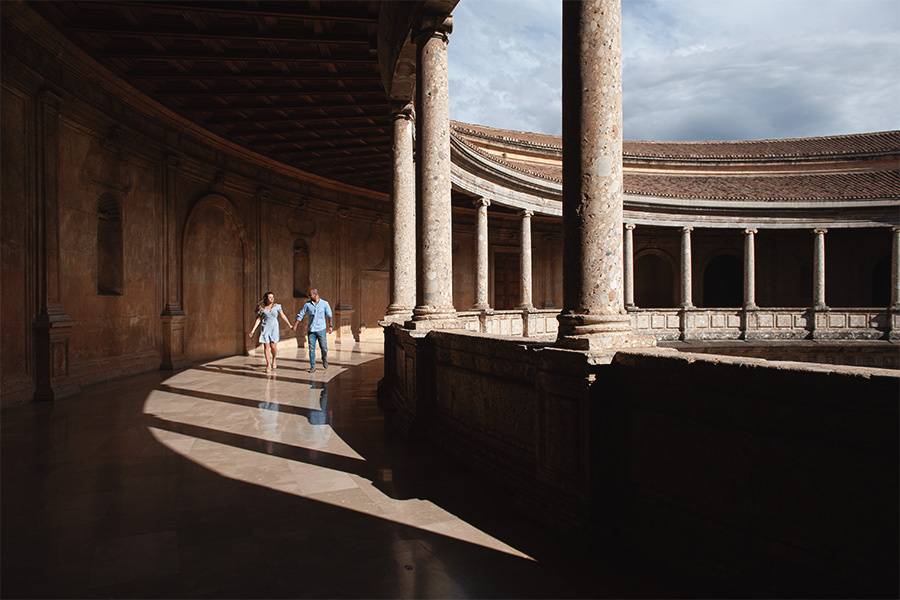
pixel 320 324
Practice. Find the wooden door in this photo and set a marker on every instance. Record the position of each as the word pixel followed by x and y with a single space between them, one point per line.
pixel 507 285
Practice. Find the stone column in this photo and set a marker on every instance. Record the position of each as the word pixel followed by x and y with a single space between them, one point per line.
pixel 686 282
pixel 434 283
pixel 819 269
pixel 629 266
pixel 403 265
pixel 895 269
pixel 172 316
pixel 481 256
pixel 525 297
pixel 750 269
pixel 343 312
pixel 593 316
pixel 52 325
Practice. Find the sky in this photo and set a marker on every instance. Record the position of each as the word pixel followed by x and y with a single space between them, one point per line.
pixel 692 69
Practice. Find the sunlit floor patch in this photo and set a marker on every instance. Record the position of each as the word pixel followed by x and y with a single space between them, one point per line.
pixel 276 431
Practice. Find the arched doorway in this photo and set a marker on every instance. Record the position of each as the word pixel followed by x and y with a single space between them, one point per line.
pixel 723 285
pixel 654 280
pixel 213 280
pixel 881 282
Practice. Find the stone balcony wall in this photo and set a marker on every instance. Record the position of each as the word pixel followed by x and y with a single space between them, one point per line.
pixel 690 461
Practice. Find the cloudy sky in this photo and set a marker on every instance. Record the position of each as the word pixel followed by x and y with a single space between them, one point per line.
pixel 693 69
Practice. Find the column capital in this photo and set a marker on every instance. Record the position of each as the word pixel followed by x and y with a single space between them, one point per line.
pixel 630 226
pixel 896 228
pixel 819 231
pixel 687 229
pixel 403 109
pixel 751 231
pixel 526 214
pixel 481 201
pixel 434 26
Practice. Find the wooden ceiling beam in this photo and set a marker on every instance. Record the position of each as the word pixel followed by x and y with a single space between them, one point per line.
pixel 329 163
pixel 338 153
pixel 304 120
pixel 342 144
pixel 262 107
pixel 221 36
pixel 193 76
pixel 252 134
pixel 214 9
pixel 263 93
pixel 169 56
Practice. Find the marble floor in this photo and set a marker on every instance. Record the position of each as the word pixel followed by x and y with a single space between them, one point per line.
pixel 221 480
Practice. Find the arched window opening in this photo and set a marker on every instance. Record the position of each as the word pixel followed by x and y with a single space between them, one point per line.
pixel 110 251
pixel 881 282
pixel 723 284
pixel 654 282
pixel 301 268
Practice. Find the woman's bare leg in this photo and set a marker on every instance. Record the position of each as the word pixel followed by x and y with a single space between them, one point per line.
pixel 274 353
pixel 266 353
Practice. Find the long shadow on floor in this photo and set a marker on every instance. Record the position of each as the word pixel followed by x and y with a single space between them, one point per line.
pixel 94 505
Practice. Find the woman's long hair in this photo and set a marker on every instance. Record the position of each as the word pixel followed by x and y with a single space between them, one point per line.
pixel 265 301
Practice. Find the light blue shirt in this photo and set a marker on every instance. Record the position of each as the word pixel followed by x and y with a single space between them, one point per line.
pixel 319 310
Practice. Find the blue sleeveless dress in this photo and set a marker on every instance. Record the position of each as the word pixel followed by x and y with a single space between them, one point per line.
pixel 268 331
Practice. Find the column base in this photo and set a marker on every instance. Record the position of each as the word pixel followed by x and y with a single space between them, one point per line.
pixel 395 315
pixel 600 335
pixel 343 324
pixel 51 351
pixel 173 324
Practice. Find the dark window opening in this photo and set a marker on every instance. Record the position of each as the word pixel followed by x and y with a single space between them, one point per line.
pixel 110 262
pixel 723 284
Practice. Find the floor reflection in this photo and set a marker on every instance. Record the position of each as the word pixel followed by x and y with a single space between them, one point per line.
pixel 222 481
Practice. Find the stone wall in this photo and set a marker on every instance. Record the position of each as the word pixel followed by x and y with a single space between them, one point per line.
pixel 742 473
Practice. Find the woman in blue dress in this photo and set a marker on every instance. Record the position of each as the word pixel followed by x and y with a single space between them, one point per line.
pixel 267 313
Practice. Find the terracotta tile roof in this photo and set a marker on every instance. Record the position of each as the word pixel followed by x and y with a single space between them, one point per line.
pixel 883 142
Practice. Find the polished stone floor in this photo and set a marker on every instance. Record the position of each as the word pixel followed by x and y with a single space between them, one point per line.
pixel 220 480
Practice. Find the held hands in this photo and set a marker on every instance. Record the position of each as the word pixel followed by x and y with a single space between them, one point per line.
pixel 330 329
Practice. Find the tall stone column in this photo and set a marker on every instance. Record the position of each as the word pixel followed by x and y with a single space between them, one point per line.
pixel 819 269
pixel 895 269
pixel 629 266
pixel 750 269
pixel 52 325
pixel 525 297
pixel 686 281
pixel 343 312
pixel 481 255
pixel 403 265
pixel 593 316
pixel 434 283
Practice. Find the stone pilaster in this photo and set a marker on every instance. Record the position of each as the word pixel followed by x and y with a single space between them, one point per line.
pixel 434 281
pixel 895 285
pixel 403 265
pixel 525 298
pixel 629 266
pixel 686 279
pixel 593 316
pixel 750 269
pixel 481 255
pixel 343 311
pixel 52 326
pixel 819 269
pixel 172 317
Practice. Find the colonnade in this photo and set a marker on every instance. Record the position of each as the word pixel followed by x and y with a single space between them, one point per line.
pixel 598 285
pixel 749 303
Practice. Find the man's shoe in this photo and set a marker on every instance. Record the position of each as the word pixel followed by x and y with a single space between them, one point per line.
pixel 311 370
pixel 324 364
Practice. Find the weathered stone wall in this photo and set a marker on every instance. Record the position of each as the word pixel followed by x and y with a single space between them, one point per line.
pixel 742 473
pixel 202 231
pixel 771 478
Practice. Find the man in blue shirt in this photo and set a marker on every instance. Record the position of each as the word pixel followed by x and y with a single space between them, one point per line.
pixel 319 311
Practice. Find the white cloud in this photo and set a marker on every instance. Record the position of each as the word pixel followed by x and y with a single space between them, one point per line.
pixel 693 69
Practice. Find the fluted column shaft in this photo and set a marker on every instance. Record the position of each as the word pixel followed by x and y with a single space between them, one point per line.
pixel 895 269
pixel 819 268
pixel 403 266
pixel 481 255
pixel 593 303
pixel 686 279
pixel 750 268
pixel 434 284
pixel 629 266
pixel 525 262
